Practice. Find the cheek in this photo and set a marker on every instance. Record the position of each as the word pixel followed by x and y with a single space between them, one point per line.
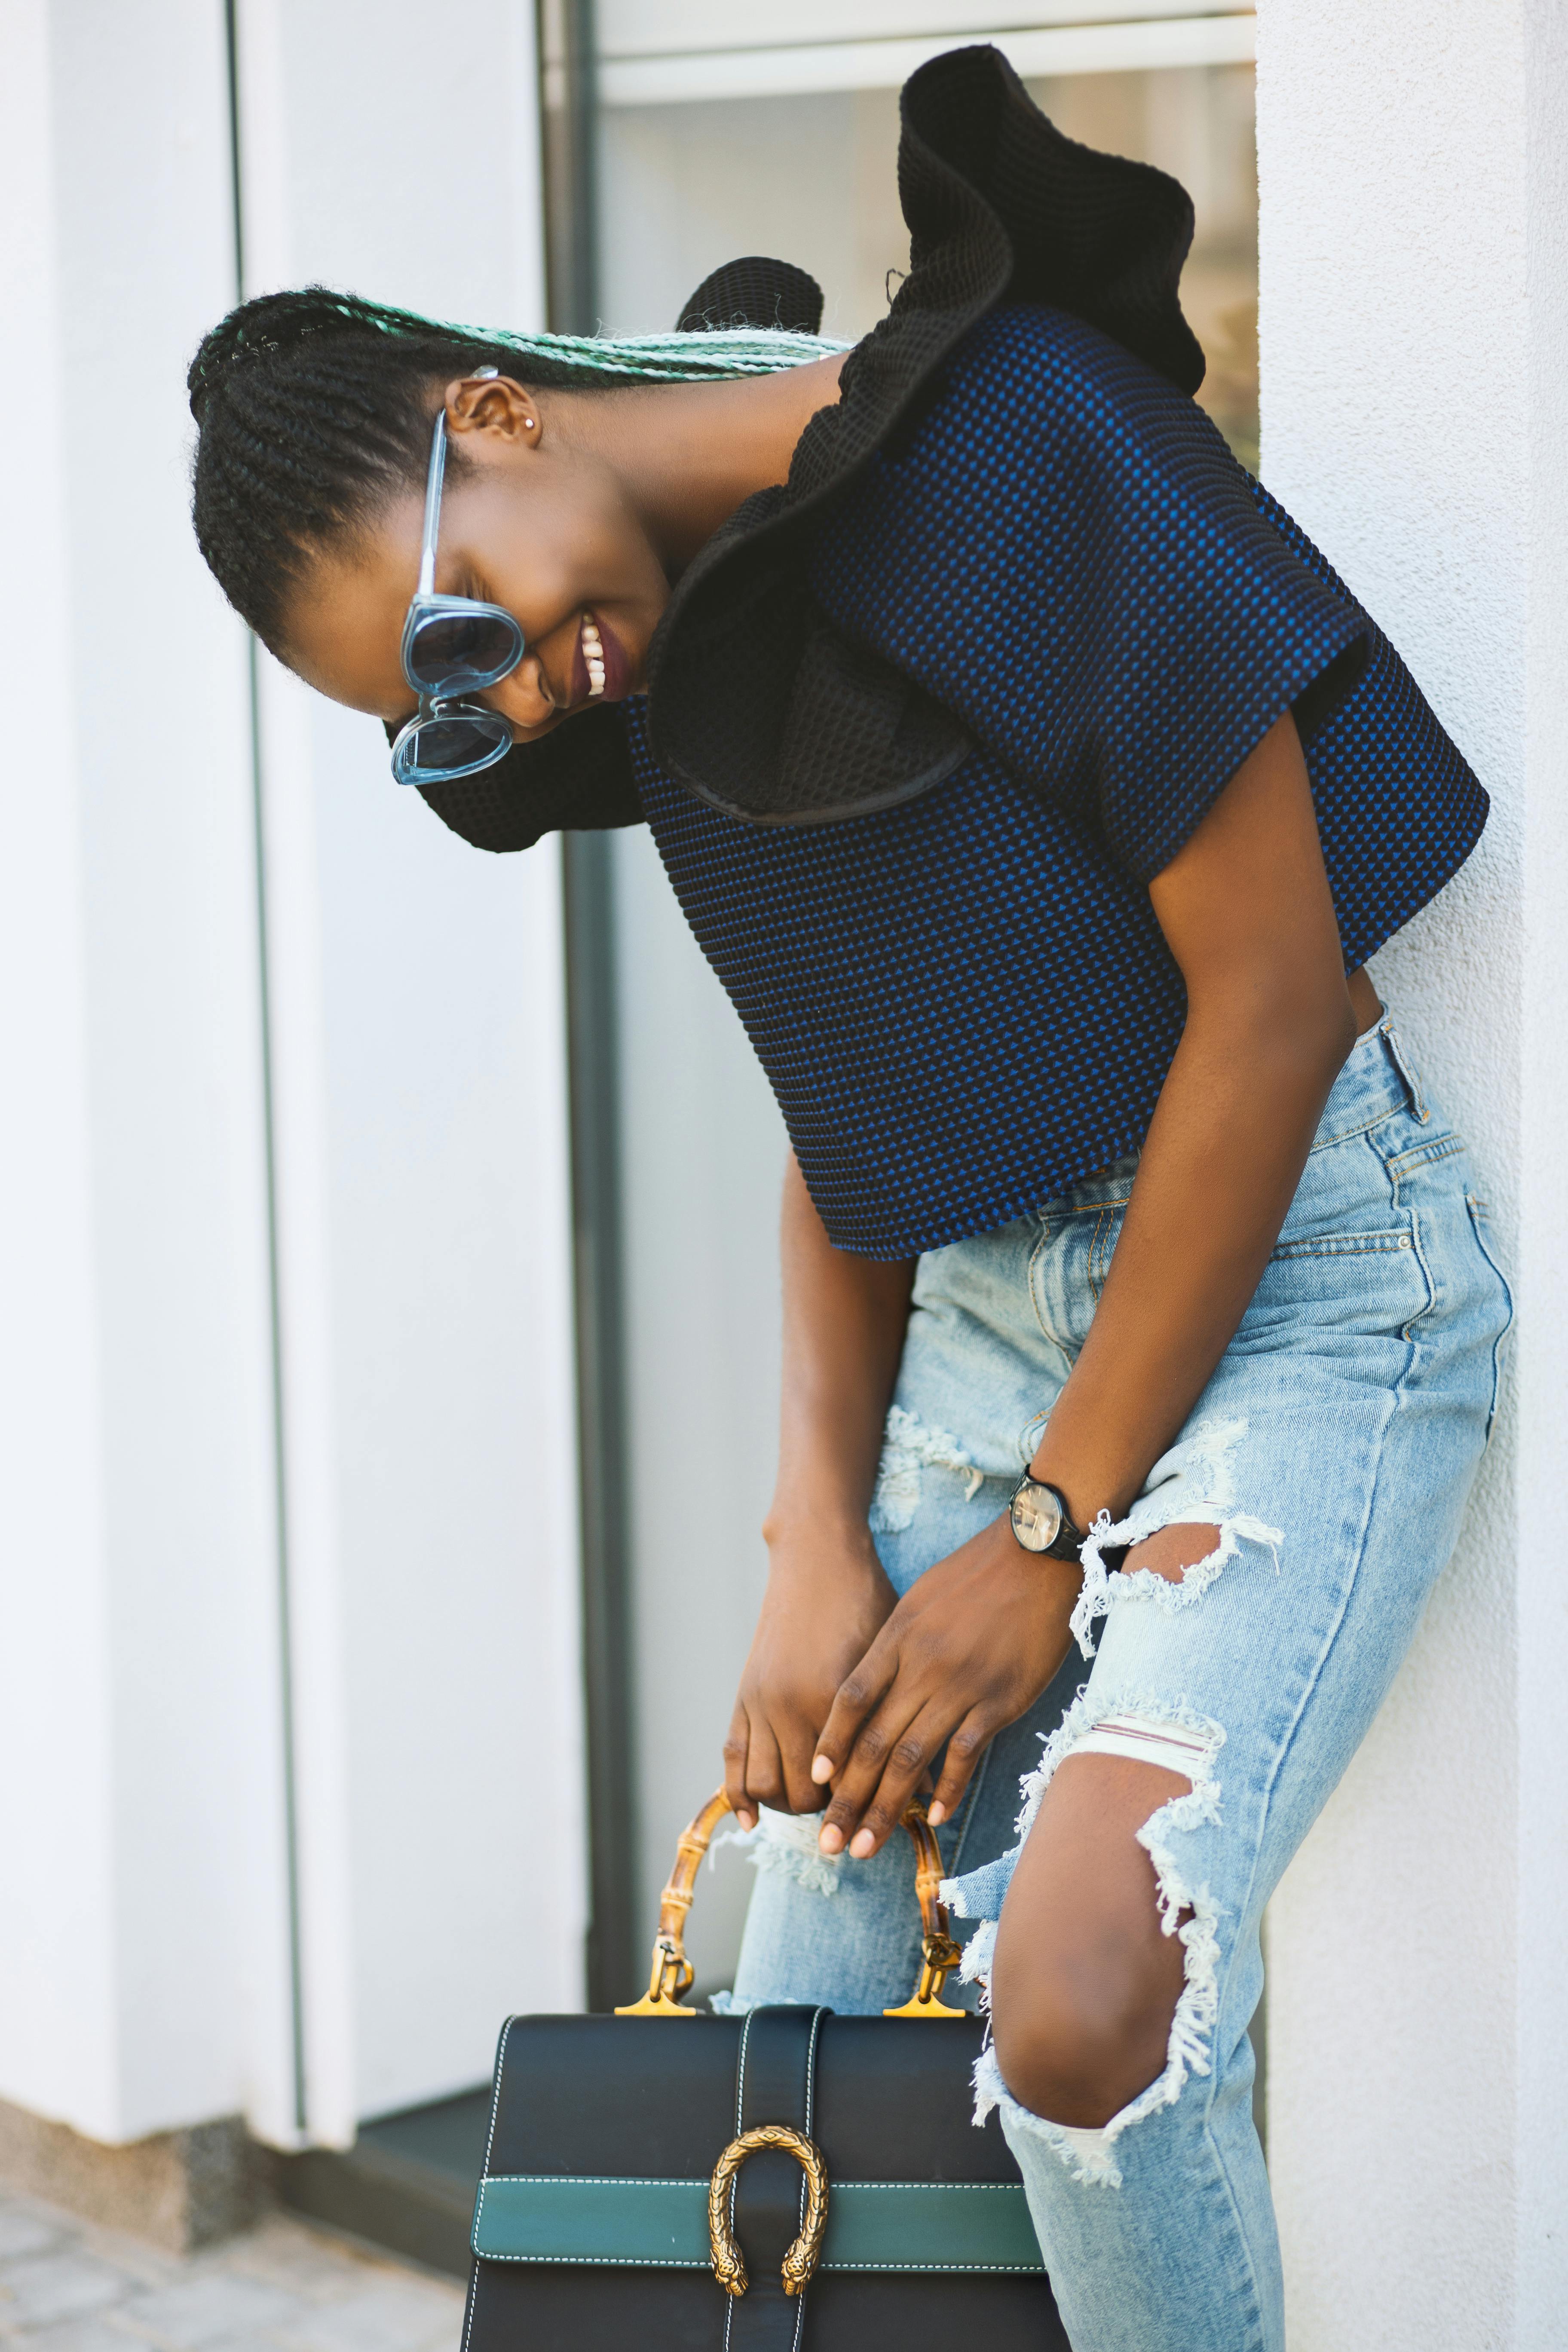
pixel 586 552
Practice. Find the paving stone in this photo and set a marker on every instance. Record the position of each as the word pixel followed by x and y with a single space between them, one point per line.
pixel 62 2285
pixel 209 2308
pixel 102 2334
pixel 282 2252
pixel 143 2265
pixel 24 2229
pixel 66 2287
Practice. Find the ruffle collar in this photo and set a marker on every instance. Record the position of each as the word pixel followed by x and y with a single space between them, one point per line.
pixel 755 703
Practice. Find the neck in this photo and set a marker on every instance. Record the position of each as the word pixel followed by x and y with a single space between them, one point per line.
pixel 690 454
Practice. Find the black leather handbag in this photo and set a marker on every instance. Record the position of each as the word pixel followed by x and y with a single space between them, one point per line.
pixel 784 2181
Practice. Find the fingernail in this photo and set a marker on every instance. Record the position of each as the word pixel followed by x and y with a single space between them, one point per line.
pixel 936 1814
pixel 821 1769
pixel 831 1840
pixel 861 1844
pixel 747 1821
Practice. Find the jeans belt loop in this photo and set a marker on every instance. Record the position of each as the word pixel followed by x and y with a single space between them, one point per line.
pixel 1407 1070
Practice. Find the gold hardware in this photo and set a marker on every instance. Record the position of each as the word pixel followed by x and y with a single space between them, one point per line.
pixel 940 1955
pixel 670 1974
pixel 728 2262
pixel 669 1977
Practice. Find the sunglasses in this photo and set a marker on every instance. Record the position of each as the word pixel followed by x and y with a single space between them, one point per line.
pixel 452 646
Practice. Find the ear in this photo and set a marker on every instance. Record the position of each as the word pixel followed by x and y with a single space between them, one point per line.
pixel 495 406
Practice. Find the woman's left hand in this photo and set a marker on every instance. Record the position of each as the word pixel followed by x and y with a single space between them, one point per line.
pixel 968 1649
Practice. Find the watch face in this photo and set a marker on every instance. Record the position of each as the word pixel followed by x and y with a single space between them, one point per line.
pixel 1037 1515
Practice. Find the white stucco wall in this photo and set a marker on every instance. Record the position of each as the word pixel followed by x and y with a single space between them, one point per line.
pixel 1414 271
pixel 419 1087
pixel 142 1896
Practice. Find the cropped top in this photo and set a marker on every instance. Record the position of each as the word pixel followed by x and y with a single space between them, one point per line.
pixel 1019 649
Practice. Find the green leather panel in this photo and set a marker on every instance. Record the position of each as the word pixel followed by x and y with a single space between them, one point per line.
pixel 663 2224
pixel 929 2226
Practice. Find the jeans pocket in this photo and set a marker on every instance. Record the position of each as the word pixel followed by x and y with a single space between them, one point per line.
pixel 1376 1285
pixel 1480 1225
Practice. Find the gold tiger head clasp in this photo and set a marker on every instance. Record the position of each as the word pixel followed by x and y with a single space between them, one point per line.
pixel 729 2263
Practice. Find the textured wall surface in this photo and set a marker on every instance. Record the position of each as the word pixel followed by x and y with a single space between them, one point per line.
pixel 1413 235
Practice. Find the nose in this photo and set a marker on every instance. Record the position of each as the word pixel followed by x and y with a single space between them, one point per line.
pixel 523 696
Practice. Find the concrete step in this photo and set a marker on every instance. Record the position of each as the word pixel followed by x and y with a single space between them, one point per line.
pixel 407 2183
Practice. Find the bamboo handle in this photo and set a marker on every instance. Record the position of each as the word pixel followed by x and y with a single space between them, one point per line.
pixel 670 1974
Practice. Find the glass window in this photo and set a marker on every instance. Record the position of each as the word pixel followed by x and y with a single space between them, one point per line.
pixel 811 178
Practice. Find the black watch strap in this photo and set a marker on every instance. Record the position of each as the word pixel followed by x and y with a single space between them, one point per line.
pixel 1032 1507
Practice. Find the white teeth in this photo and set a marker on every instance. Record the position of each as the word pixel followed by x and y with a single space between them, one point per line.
pixel 593 656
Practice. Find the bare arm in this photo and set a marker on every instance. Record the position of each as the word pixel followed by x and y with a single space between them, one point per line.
pixel 1246 913
pixel 1246 910
pixel 844 1321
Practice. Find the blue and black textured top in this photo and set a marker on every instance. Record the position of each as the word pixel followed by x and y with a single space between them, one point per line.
pixel 930 719
pixel 964 1002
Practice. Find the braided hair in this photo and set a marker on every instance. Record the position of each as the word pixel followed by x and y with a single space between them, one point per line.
pixel 314 410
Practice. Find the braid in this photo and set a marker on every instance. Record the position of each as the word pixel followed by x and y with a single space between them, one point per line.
pixel 315 408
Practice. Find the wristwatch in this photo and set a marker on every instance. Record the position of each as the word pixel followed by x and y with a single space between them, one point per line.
pixel 1041 1520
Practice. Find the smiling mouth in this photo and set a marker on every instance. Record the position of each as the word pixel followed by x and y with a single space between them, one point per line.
pixel 593 657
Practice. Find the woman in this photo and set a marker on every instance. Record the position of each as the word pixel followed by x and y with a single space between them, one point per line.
pixel 1038 794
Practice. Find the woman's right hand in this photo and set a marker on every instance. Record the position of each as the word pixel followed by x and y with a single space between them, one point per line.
pixel 827 1598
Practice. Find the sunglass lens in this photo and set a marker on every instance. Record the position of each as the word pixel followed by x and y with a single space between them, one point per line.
pixel 442 746
pixel 452 650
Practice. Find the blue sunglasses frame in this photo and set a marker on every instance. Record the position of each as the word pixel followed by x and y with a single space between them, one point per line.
pixel 444 720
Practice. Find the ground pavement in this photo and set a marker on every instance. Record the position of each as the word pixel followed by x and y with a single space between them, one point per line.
pixel 283 2287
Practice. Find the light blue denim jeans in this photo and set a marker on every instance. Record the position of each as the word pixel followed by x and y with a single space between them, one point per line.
pixel 1333 1447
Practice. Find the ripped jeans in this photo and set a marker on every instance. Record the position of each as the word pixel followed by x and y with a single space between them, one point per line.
pixel 1334 1448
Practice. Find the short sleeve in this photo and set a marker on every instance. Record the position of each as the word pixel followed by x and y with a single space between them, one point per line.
pixel 1157 626
pixel 579 779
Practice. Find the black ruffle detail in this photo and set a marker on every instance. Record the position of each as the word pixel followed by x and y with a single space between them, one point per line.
pixel 756 703
pixel 577 780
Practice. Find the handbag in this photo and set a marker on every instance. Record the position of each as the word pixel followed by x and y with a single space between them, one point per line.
pixel 787 2180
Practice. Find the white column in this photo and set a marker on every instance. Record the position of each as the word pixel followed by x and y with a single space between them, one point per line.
pixel 1414 340
pixel 421 1154
pixel 143 1936
pixel 145 1964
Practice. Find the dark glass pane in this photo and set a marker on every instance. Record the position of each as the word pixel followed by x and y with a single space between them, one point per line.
pixel 455 647
pixel 447 743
